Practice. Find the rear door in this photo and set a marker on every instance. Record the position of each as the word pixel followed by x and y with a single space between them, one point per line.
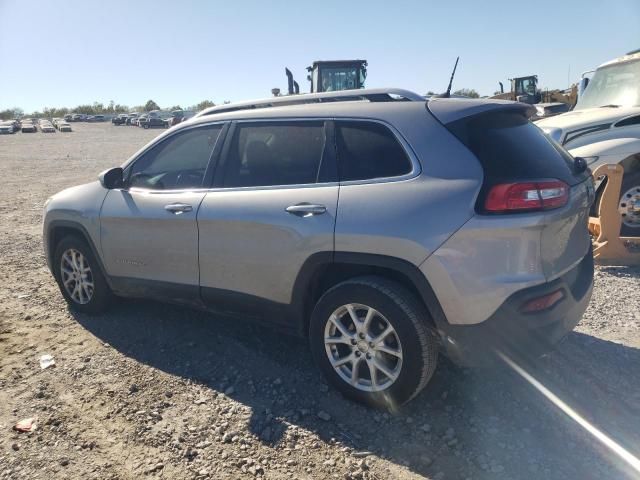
pixel 273 208
pixel 149 233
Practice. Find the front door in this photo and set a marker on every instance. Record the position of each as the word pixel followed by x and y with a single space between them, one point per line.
pixel 149 234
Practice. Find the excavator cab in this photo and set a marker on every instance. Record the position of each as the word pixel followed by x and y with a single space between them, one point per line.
pixel 334 75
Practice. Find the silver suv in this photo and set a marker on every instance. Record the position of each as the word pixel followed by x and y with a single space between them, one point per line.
pixel 386 232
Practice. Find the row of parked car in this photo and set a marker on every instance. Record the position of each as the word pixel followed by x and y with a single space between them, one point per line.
pixel 154 118
pixel 31 125
pixel 81 117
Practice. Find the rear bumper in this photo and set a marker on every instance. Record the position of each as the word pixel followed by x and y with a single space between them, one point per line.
pixel 524 335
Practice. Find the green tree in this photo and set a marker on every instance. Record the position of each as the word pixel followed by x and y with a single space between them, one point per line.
pixel 176 107
pixel 151 105
pixel 205 104
pixel 11 113
pixel 467 92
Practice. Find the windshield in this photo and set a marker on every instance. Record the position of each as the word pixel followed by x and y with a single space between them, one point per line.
pixel 338 78
pixel 618 85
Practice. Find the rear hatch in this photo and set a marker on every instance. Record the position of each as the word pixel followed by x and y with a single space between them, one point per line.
pixel 516 154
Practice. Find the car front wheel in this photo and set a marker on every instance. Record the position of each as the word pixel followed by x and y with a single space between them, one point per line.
pixel 371 339
pixel 79 277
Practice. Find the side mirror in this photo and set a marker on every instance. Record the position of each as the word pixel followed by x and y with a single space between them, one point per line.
pixel 112 178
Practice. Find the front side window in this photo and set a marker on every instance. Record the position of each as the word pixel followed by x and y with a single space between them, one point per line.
pixel 177 163
pixel 368 150
pixel 265 154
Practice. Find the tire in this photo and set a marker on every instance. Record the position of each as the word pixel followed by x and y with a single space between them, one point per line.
pixel 100 295
pixel 146 126
pixel 412 337
pixel 630 189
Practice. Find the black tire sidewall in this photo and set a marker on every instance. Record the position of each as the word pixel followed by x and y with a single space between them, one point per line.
pixel 101 292
pixel 408 381
pixel 629 180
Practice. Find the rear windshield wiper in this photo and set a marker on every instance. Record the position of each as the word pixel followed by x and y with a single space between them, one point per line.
pixel 612 105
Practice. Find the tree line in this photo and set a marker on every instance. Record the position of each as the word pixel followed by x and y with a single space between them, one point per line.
pixel 97 108
pixel 465 92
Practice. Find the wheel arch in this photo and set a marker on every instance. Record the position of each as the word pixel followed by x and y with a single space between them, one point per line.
pixel 323 270
pixel 59 229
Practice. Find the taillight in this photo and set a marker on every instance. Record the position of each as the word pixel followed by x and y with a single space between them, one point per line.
pixel 526 196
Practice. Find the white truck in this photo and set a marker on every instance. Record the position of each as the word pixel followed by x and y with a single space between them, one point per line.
pixel 604 128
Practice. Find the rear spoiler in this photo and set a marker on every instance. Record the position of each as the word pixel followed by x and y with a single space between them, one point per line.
pixel 449 110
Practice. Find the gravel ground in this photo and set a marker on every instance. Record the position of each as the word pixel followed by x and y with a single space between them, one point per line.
pixel 151 390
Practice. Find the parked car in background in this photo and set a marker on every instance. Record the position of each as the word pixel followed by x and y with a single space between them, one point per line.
pixel 383 232
pixel 140 118
pixel 7 127
pixel 28 126
pixel 68 117
pixel 78 117
pixel 545 110
pixel 46 126
pixel 64 126
pixel 131 116
pixel 120 119
pixel 179 116
pixel 152 120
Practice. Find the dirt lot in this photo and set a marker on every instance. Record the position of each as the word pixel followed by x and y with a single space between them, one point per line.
pixel 150 390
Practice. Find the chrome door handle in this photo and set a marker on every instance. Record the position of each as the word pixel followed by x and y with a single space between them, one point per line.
pixel 178 208
pixel 306 209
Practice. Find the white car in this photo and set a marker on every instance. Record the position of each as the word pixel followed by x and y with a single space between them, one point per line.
pixel 64 126
pixel 7 128
pixel 604 128
pixel 47 127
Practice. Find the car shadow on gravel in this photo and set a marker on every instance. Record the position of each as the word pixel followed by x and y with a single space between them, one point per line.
pixel 481 423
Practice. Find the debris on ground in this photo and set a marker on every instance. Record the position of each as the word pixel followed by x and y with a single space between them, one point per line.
pixel 46 361
pixel 26 425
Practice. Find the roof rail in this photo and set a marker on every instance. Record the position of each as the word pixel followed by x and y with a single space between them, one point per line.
pixel 371 95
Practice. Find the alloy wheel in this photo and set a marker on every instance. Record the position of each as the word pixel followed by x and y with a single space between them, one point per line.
pixel 77 277
pixel 363 347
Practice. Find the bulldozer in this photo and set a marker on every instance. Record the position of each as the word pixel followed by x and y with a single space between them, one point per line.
pixel 525 89
pixel 330 76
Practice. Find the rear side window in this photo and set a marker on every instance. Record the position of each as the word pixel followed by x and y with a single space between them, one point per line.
pixel 510 147
pixel 283 153
pixel 369 150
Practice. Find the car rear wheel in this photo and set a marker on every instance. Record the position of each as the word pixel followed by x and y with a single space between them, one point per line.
pixel 371 339
pixel 79 277
pixel 629 204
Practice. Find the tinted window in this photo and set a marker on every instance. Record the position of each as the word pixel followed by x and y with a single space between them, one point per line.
pixel 368 150
pixel 510 147
pixel 275 154
pixel 178 162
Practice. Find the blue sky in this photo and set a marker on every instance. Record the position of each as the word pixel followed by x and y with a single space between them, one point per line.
pixel 64 53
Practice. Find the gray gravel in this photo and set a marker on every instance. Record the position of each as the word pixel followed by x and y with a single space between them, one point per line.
pixel 151 390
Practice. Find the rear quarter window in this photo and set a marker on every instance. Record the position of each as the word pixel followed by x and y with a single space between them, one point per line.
pixel 369 150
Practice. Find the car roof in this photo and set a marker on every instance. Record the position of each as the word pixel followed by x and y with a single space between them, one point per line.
pixel 445 109
pixel 371 94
